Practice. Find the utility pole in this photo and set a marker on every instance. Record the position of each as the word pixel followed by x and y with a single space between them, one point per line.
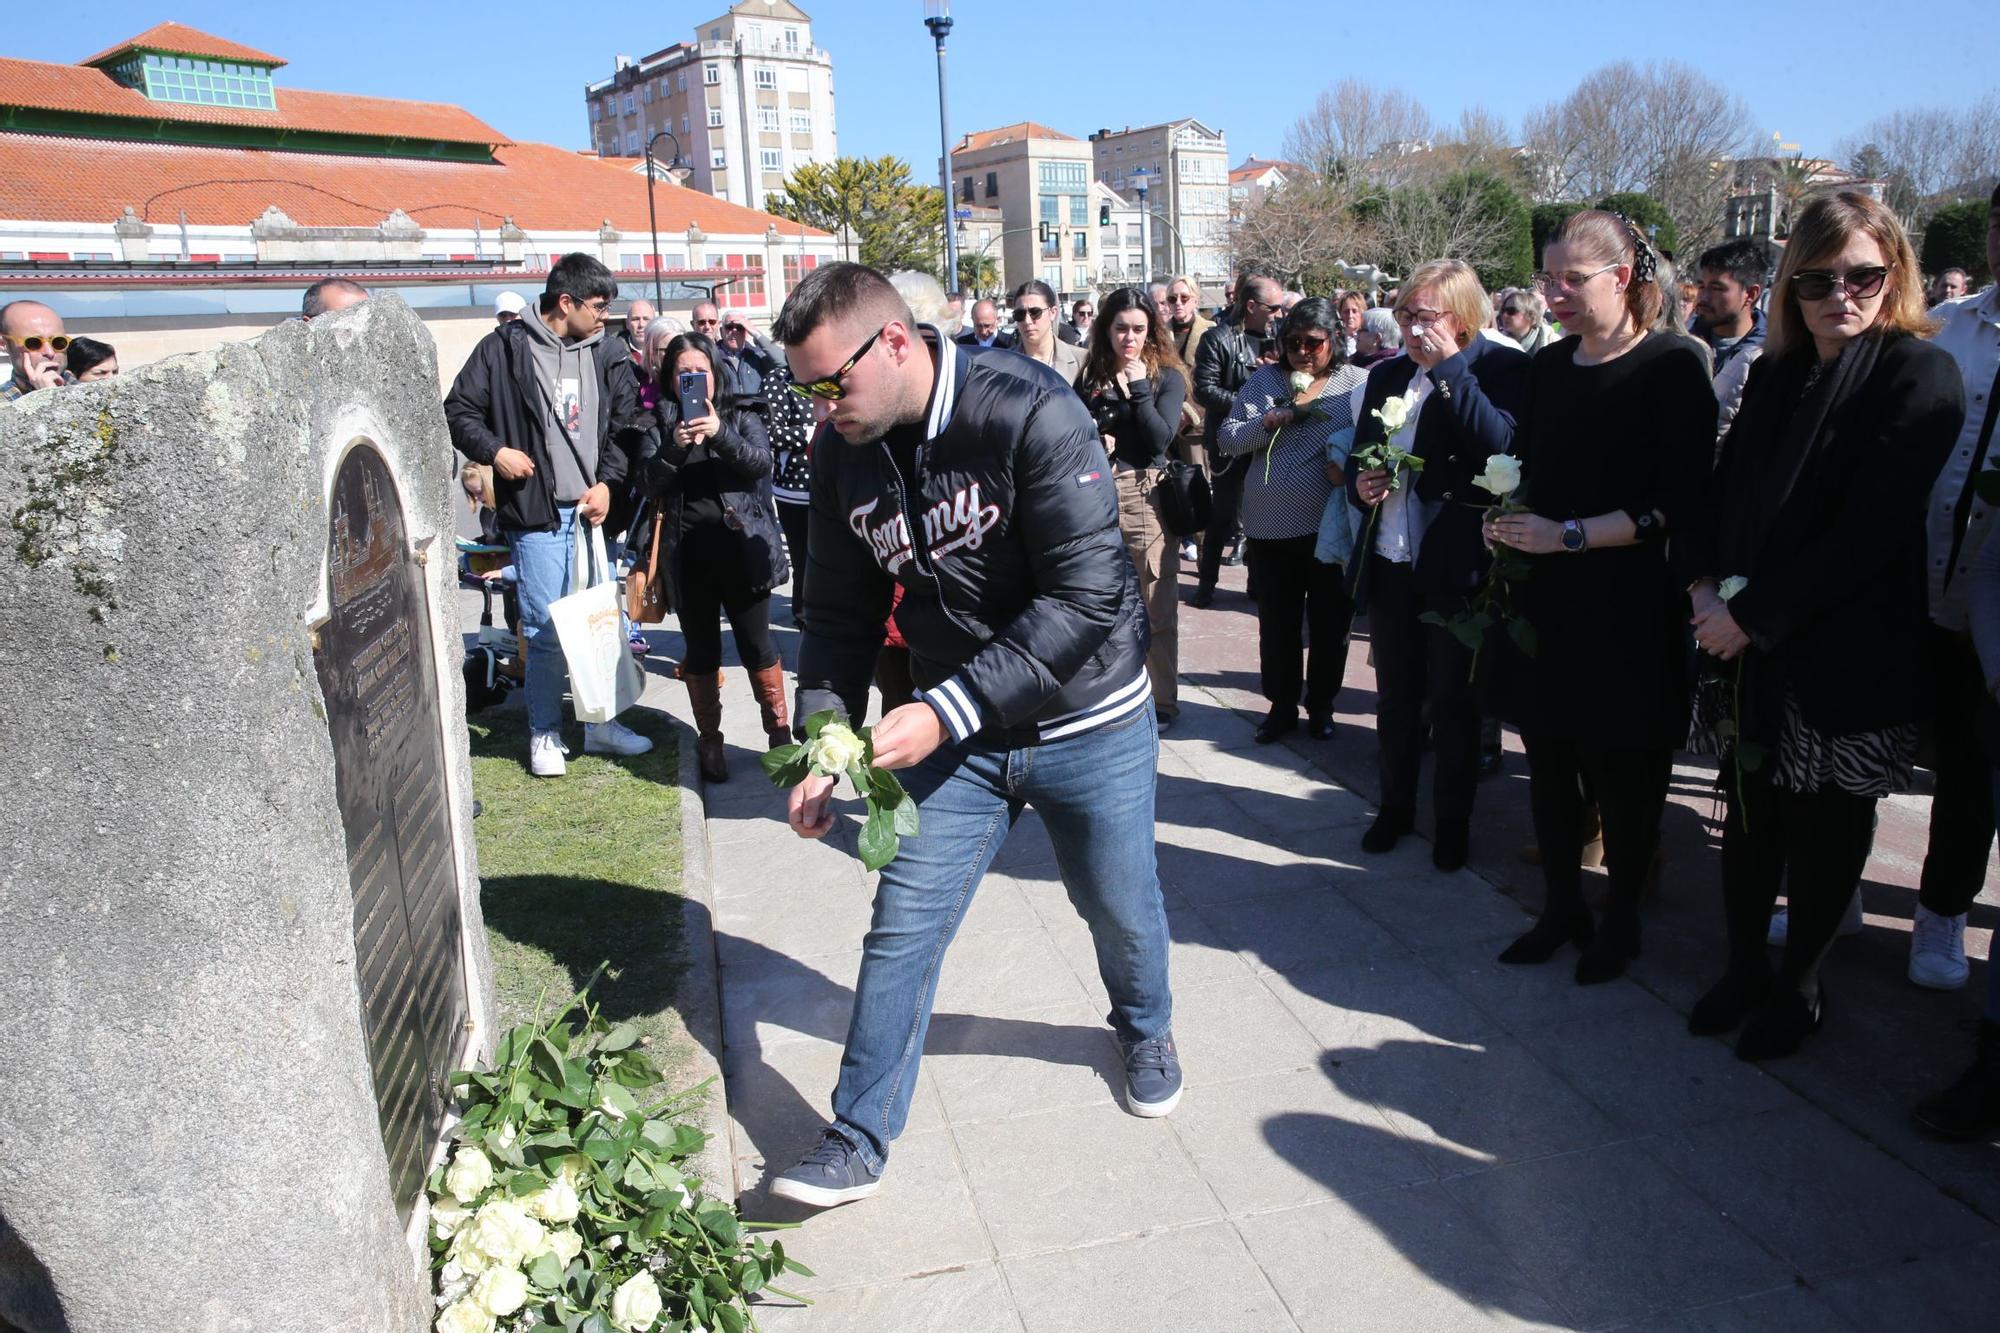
pixel 937 17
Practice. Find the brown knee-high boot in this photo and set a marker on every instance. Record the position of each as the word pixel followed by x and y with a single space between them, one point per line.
pixel 769 684
pixel 705 699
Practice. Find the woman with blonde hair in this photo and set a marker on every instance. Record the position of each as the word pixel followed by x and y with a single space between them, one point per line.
pixel 1134 384
pixel 1615 436
pixel 1424 555
pixel 1812 599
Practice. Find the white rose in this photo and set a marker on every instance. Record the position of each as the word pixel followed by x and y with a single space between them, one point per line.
pixel 447 1216
pixel 465 1317
pixel 500 1292
pixel 1394 414
pixel 453 1282
pixel 1502 476
pixel 1300 382
pixel 565 1245
pixel 500 1235
pixel 1732 585
pixel 468 1174
pixel 636 1303
pixel 555 1202
pixel 835 749
pixel 612 1242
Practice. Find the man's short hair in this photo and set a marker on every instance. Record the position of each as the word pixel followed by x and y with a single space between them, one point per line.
pixel 314 304
pixel 1743 259
pixel 1955 269
pixel 838 291
pixel 582 278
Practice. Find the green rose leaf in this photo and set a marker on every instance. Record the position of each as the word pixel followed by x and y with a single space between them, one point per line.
pixel 1433 618
pixel 817 721
pixel 787 765
pixel 730 1318
pixel 887 786
pixel 906 817
pixel 620 1037
pixel 546 1272
pixel 595 1322
pixel 878 843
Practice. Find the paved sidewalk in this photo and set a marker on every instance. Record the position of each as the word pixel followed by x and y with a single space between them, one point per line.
pixel 1383 1127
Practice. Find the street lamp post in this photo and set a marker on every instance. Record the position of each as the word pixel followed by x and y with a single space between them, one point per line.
pixel 937 17
pixel 1140 180
pixel 680 171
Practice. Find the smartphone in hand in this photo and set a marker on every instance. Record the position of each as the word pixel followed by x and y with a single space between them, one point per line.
pixel 692 390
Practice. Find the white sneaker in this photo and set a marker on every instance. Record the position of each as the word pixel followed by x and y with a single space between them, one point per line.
pixel 1937 950
pixel 613 738
pixel 1189 551
pixel 545 755
pixel 1851 923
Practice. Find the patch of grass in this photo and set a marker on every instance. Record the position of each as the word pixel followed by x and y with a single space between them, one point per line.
pixel 581 870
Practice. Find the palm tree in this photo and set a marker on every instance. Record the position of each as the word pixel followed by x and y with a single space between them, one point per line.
pixel 977 273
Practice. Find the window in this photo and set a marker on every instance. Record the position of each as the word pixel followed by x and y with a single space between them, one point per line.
pixel 797 266
pixel 772 159
pixel 1080 248
pixel 715 117
pixel 1051 209
pixel 715 34
pixel 791 39
pixel 681 82
pixel 766 77
pixel 646 95
pixel 767 118
pixel 718 160
pixel 747 290
pixel 630 109
pixel 1061 177
pixel 711 74
pixel 1052 275
pixel 1079 210
pixel 1107 237
pixel 596 112
pixel 802 122
pixel 1132 236
pixel 965 191
pixel 992 184
pixel 1082 276
pixel 684 122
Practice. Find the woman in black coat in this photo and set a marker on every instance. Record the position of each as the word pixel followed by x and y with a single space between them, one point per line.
pixel 1812 600
pixel 1425 554
pixel 725 552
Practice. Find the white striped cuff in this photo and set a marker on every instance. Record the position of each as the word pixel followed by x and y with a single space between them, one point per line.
pixel 953 703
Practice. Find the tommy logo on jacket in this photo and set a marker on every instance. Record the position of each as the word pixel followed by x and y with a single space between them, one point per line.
pixel 958 523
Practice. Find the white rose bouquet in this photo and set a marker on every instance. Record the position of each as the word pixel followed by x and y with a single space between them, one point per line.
pixel 564 1205
pixel 1387 455
pixel 1318 407
pixel 833 749
pixel 1493 603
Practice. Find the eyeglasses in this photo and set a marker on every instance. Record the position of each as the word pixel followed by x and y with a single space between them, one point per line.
pixel 1306 344
pixel 1569 282
pixel 1085 313
pixel 35 342
pixel 1029 312
pixel 1268 305
pixel 1510 310
pixel 706 323
pixel 1407 317
pixel 1816 284
pixel 1180 298
pixel 832 389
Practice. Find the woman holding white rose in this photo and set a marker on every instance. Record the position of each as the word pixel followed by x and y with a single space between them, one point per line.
pixel 1615 435
pixel 1813 601
pixel 1460 393
pixel 1295 420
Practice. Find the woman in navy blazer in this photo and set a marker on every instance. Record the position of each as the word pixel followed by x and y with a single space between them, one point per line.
pixel 1422 550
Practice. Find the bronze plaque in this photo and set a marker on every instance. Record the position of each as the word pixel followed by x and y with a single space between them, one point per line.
pixel 376 672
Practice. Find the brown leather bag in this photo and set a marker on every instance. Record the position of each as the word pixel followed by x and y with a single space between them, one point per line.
pixel 647 598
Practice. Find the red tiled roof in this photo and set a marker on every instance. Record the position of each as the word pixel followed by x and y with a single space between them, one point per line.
pixel 543 188
pixel 1026 129
pixel 88 91
pixel 181 40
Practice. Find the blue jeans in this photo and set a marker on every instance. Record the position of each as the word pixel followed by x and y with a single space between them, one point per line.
pixel 542 573
pixel 1094 793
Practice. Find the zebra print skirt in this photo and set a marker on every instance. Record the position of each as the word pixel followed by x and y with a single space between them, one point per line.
pixel 1866 763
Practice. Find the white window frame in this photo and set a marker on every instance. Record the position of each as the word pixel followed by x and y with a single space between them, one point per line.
pixel 718 160
pixel 711 73
pixel 715 117
pixel 767 119
pixel 765 77
pixel 772 160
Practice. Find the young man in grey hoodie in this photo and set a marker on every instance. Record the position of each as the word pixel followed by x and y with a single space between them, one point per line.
pixel 551 404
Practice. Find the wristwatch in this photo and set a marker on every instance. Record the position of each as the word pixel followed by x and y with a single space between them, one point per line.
pixel 1574 538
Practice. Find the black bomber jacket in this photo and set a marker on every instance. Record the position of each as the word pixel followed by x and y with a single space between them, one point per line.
pixel 1020 606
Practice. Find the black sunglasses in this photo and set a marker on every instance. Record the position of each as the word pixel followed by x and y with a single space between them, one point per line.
pixel 1029 312
pixel 832 389
pixel 1816 284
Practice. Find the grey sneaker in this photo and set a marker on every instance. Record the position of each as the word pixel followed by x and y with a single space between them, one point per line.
pixel 1152 1077
pixel 833 1173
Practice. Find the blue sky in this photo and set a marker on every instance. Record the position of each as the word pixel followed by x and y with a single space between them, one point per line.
pixel 1815 71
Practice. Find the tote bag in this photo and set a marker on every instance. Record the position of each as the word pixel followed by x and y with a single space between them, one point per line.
pixel 604 679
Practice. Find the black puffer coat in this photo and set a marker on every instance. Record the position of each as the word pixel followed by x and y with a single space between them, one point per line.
pixel 741 457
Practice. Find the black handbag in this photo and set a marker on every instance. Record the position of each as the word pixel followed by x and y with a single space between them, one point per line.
pixel 1185 499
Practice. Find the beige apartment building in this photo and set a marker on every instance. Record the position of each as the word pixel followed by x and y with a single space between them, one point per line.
pixel 750 99
pixel 1033 175
pixel 1185 167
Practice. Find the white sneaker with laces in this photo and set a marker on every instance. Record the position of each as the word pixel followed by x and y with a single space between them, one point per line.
pixel 545 755
pixel 613 738
pixel 1937 950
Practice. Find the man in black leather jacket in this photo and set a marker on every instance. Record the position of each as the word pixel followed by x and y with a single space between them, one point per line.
pixel 1224 359
pixel 973 479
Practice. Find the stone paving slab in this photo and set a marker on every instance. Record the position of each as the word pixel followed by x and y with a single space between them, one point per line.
pixel 1384 1128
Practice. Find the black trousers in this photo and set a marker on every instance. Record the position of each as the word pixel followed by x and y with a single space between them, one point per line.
pixel 1419 666
pixel 793 518
pixel 1630 785
pixel 1962 807
pixel 1814 843
pixel 709 587
pixel 1225 512
pixel 1295 590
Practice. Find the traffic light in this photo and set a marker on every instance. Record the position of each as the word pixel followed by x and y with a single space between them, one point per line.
pixel 1045 233
pixel 1104 215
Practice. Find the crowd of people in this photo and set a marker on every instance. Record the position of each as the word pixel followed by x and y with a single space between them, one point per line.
pixel 1742 514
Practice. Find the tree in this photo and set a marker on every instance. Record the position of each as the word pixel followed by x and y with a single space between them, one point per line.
pixel 900 225
pixel 1469 215
pixel 1955 237
pixel 1360 133
pixel 1299 234
pixel 1545 220
pixel 1649 213
pixel 977 273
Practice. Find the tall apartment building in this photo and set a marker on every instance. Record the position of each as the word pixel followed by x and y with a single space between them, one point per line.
pixel 1033 175
pixel 750 98
pixel 1186 166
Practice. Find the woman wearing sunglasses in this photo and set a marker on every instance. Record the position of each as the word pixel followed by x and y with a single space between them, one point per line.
pixel 1134 384
pixel 1035 316
pixel 1820 651
pixel 724 553
pixel 1295 421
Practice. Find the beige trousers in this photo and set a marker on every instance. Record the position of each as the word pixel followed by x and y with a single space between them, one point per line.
pixel 1157 558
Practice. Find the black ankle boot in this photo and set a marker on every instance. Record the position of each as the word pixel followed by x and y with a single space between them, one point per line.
pixel 1278 722
pixel 1617 944
pixel 1549 934
pixel 1969 1110
pixel 1725 1003
pixel 1781 1026
pixel 1453 846
pixel 1383 834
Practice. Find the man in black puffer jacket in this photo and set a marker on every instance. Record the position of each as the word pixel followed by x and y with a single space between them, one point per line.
pixel 975 481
